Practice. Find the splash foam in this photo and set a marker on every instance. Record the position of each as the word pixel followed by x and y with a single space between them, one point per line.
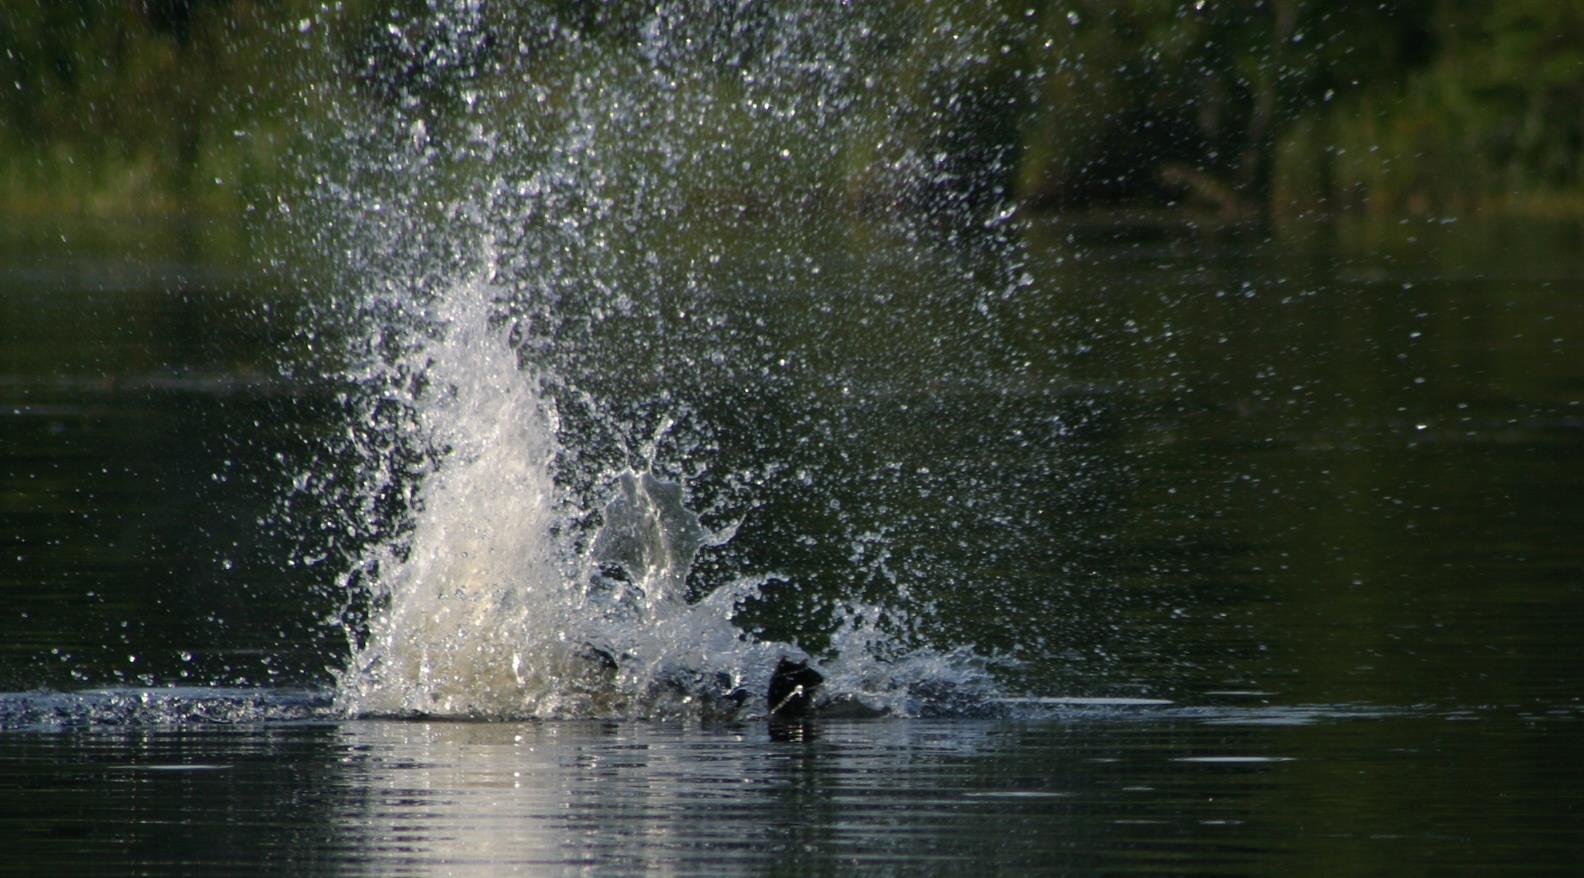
pixel 579 188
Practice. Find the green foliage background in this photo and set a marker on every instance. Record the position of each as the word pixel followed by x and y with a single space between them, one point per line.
pixel 1244 110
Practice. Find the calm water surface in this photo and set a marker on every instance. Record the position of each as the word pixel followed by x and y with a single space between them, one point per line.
pixel 1324 546
pixel 1232 791
pixel 1161 791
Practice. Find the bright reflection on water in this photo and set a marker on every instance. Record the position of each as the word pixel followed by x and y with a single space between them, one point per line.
pixel 1146 789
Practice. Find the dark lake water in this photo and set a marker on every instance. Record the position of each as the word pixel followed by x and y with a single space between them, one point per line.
pixel 1276 544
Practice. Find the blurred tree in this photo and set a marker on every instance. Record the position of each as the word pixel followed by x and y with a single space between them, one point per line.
pixel 1247 109
pixel 1158 101
pixel 174 17
pixel 1488 116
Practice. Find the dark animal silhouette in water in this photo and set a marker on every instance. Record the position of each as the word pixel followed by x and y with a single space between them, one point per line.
pixel 792 688
pixel 790 695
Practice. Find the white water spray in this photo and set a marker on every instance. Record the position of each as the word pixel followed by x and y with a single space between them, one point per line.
pixel 487 614
pixel 507 593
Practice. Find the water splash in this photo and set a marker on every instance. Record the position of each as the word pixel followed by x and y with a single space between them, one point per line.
pixel 142 708
pixel 474 593
pixel 483 612
pixel 562 346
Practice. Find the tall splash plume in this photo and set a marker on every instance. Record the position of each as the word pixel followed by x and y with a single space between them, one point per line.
pixel 562 242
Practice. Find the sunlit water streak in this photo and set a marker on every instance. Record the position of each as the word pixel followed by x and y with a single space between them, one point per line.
pixel 1105 789
pixel 253 707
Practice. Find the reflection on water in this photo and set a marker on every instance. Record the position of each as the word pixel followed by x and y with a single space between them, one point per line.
pixel 1102 789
